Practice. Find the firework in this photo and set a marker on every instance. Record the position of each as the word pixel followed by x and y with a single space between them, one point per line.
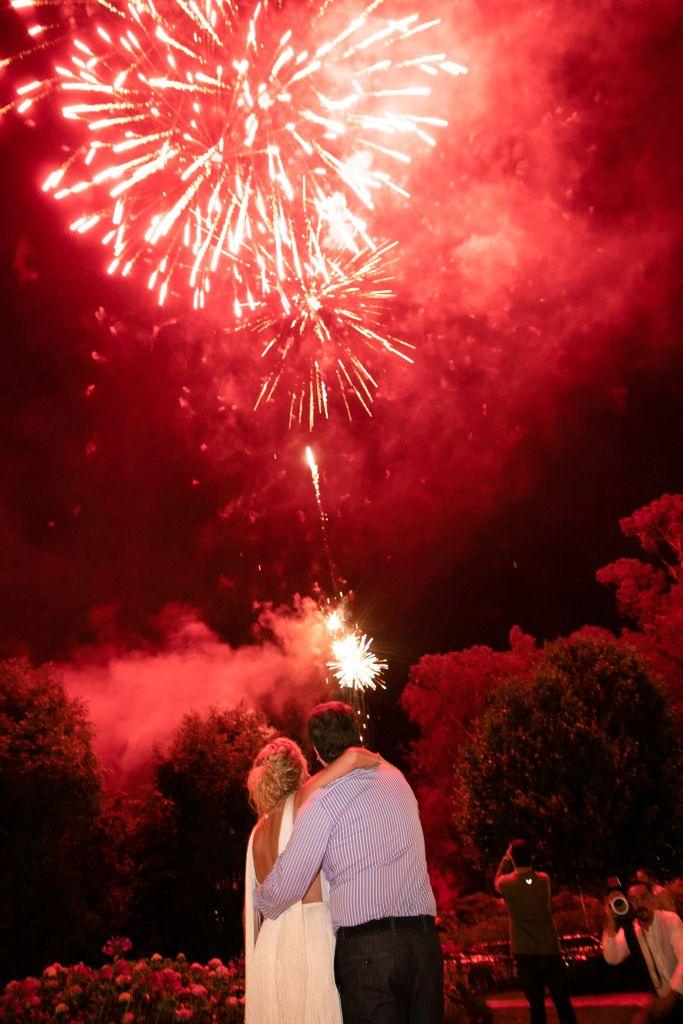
pixel 354 664
pixel 206 121
pixel 328 319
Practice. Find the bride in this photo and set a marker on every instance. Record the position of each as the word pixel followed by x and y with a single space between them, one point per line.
pixel 289 962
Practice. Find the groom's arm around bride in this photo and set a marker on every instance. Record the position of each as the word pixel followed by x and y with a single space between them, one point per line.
pixel 364 831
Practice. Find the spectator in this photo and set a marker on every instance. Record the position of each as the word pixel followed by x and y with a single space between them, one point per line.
pixel 534 941
pixel 659 941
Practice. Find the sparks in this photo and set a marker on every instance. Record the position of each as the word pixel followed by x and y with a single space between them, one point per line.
pixel 316 341
pixel 203 125
pixel 354 664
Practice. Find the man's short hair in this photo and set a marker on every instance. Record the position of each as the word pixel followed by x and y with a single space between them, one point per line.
pixel 633 882
pixel 333 727
pixel 521 853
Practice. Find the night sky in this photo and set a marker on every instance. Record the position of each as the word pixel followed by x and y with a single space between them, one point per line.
pixel 149 516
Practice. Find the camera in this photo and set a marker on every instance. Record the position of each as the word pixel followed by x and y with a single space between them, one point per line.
pixel 616 899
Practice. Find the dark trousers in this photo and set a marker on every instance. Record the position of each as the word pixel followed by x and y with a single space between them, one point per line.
pixel 536 973
pixel 390 972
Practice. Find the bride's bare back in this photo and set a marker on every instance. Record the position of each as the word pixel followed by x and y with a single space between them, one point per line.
pixel 265 846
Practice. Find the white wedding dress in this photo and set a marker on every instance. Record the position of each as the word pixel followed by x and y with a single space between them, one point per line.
pixel 289 962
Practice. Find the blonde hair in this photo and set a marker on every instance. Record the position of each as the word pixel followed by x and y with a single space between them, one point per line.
pixel 278 770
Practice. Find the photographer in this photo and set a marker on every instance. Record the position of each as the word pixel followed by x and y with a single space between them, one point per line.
pixel 533 936
pixel 658 938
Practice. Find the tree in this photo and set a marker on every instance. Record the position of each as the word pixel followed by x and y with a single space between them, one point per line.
pixel 50 794
pixel 444 697
pixel 192 835
pixel 651 592
pixel 583 758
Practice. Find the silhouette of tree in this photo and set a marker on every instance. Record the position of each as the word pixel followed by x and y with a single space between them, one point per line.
pixel 190 840
pixel 583 758
pixel 50 840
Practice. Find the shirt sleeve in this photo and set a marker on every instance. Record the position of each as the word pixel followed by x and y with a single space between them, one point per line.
pixel 676 939
pixel 293 872
pixel 503 883
pixel 614 947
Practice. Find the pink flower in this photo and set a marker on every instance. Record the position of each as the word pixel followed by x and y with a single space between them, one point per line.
pixel 116 946
pixel 125 997
pixel 122 979
pixel 156 957
pixel 215 962
pixel 198 990
pixel 51 972
pixel 61 1008
pixel 127 1018
pixel 184 1013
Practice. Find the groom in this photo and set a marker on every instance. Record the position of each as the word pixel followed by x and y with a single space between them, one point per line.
pixel 364 831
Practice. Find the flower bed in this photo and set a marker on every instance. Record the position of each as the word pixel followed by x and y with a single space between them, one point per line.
pixel 160 990
pixel 126 991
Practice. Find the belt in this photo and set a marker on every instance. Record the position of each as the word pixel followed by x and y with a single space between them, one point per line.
pixel 386 924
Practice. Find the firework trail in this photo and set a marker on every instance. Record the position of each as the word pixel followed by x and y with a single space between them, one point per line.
pixel 315 477
pixel 207 120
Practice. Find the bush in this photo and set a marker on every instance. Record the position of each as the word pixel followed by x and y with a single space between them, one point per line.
pixel 464 1006
pixel 159 990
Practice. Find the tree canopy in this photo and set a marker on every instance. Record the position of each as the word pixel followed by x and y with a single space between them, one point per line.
pixel 583 759
pixel 650 591
pixel 50 793
pixel 192 836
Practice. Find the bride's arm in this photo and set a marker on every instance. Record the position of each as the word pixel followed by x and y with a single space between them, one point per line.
pixel 352 758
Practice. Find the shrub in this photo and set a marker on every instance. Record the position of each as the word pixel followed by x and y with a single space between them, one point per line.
pixel 158 989
pixel 464 1006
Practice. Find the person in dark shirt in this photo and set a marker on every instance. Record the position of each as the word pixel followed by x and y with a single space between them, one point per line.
pixel 534 941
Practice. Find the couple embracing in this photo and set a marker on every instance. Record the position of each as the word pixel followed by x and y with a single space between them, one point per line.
pixel 339 911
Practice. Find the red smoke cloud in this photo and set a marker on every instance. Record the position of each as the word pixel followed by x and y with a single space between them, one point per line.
pixel 536 279
pixel 136 698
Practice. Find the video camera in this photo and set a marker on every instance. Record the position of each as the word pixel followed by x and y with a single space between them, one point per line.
pixel 617 901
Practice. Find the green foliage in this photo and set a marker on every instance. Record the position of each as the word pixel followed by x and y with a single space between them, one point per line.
pixel 50 793
pixel 583 758
pixel 192 835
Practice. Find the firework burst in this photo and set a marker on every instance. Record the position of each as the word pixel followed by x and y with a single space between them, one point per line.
pixel 328 319
pixel 354 664
pixel 205 121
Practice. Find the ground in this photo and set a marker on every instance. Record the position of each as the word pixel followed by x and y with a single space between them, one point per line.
pixel 616 1008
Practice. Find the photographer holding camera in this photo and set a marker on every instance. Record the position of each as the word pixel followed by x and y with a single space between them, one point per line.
pixel 534 941
pixel 656 936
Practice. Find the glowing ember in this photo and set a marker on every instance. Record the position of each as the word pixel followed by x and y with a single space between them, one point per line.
pixel 209 122
pixel 354 664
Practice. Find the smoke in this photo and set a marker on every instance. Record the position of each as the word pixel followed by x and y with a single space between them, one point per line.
pixel 536 278
pixel 136 698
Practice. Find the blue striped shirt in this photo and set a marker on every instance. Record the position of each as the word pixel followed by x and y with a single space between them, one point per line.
pixel 364 831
